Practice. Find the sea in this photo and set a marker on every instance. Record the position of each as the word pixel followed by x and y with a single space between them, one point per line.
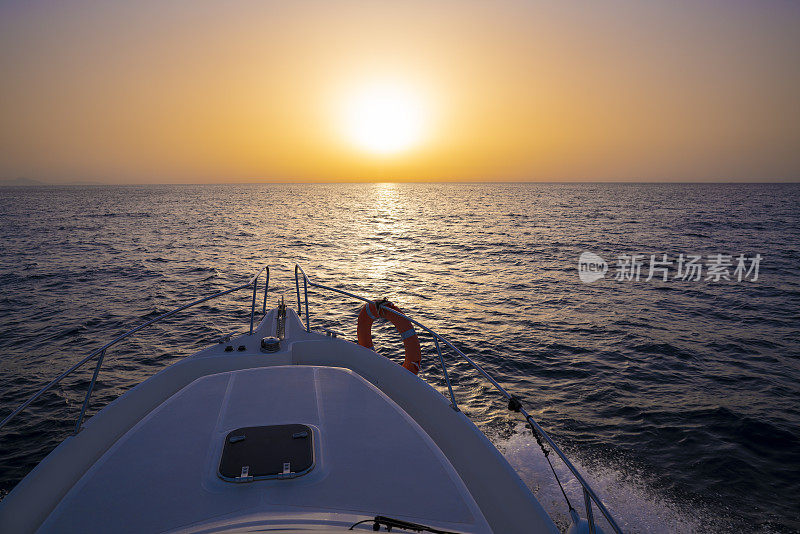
pixel 666 364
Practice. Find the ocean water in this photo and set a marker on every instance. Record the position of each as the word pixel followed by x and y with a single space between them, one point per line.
pixel 679 399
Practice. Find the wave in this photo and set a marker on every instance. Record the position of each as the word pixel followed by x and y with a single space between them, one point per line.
pixel 634 505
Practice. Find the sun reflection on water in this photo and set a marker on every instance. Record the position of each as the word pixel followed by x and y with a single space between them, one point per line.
pixel 384 233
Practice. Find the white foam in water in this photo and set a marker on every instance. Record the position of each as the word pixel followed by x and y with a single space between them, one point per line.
pixel 634 507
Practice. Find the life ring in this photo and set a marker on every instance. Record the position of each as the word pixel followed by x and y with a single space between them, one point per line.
pixel 371 311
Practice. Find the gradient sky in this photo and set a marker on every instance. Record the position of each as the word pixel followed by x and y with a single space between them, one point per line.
pixel 192 91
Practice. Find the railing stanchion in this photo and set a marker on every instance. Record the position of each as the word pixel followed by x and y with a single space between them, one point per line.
pixel 89 393
pixel 297 289
pixel 299 270
pixel 589 515
pixel 446 376
pixel 253 306
pixel 266 289
pixel 305 290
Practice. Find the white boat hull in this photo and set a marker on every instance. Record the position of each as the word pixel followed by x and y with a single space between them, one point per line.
pixel 386 443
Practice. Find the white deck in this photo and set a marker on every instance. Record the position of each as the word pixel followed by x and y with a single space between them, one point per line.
pixel 371 459
pixel 386 442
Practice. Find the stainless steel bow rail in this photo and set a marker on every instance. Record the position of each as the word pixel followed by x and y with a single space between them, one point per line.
pixel 514 403
pixel 101 352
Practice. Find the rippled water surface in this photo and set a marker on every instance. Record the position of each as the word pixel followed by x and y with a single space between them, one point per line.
pixel 679 399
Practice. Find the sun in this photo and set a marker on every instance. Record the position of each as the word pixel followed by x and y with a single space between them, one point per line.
pixel 384 118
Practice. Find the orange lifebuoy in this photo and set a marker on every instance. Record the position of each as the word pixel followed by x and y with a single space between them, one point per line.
pixel 371 311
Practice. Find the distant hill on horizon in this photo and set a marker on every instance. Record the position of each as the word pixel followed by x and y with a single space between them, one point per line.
pixel 20 181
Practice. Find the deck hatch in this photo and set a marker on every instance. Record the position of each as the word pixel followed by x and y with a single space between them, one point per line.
pixel 263 452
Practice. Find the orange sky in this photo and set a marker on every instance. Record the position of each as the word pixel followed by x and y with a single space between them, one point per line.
pixel 254 91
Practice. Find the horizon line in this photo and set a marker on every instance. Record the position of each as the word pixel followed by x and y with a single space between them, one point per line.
pixel 78 183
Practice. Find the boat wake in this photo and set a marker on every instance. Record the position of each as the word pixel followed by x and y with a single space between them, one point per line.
pixel 634 506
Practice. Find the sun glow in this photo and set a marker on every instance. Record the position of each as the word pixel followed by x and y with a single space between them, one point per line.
pixel 384 119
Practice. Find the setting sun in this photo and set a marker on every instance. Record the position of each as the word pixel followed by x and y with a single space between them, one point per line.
pixel 384 119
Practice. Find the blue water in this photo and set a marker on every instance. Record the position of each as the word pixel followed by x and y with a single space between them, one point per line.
pixel 679 399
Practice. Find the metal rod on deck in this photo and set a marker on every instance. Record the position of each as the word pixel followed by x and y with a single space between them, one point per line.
pixel 89 392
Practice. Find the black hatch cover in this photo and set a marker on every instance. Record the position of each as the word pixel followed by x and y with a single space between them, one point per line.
pixel 259 452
